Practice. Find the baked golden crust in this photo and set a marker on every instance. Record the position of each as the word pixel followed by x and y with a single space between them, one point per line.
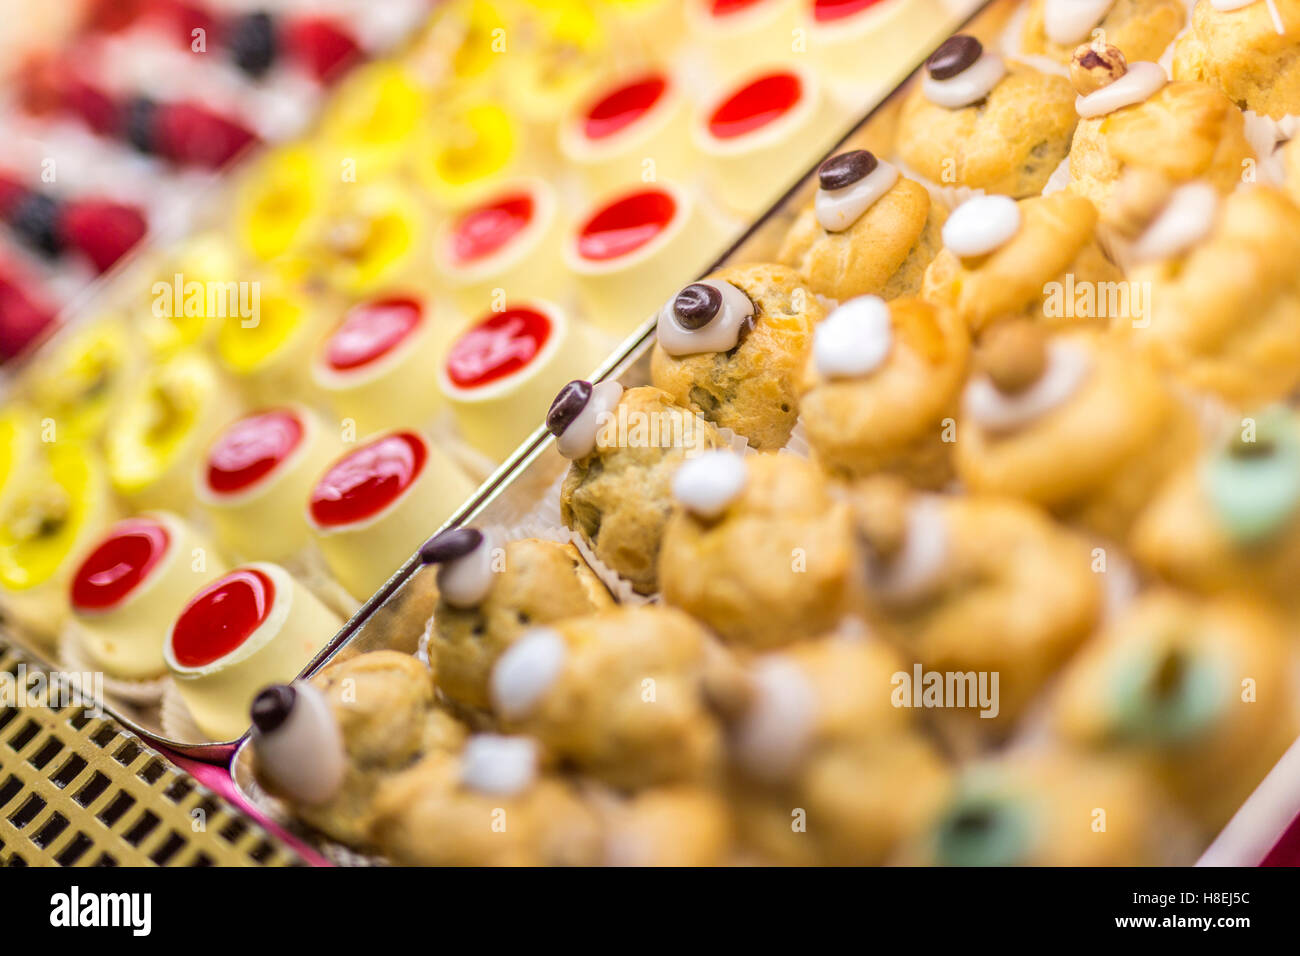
pixel 1226 315
pixel 537 582
pixel 1142 29
pixel 750 389
pixel 627 707
pixel 1208 683
pixel 1057 239
pixel 1241 52
pixel 1184 131
pixel 1009 143
pixel 779 565
pixel 618 497
pixel 1099 478
pixel 670 826
pixel 893 419
pixel 885 252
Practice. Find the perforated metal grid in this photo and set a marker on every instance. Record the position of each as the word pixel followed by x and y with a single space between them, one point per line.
pixel 77 789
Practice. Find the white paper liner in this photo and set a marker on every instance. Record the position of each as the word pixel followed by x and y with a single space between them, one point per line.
pixel 948 196
pixel 1265 136
pixel 798 445
pixel 1060 178
pixel 177 721
pixel 140 693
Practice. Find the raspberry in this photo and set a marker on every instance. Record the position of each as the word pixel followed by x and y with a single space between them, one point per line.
pixel 191 134
pixel 251 42
pixel 91 105
pixel 101 230
pixel 321 46
pixel 23 317
pixel 35 218
pixel 11 192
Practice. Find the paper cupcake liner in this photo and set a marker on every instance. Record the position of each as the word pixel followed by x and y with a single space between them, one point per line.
pixel 1265 135
pixel 73 656
pixel 948 196
pixel 177 721
pixel 1060 178
pixel 798 444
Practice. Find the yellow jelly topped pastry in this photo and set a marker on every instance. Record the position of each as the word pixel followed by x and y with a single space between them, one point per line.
pixel 374 115
pixel 462 43
pixel 276 199
pixel 283 327
pixel 17 448
pixel 190 293
pixel 466 150
pixel 82 378
pixel 569 49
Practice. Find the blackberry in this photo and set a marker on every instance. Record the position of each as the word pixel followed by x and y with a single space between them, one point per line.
pixel 251 42
pixel 138 121
pixel 35 219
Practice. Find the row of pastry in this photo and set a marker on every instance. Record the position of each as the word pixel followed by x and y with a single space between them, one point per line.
pixel 945 565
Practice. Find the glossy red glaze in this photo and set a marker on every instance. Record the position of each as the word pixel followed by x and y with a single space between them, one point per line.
pixel 497 346
pixel 370 331
pixel 221 617
pixel 756 104
pixel 366 481
pixel 626 224
pixel 250 449
pixel 119 564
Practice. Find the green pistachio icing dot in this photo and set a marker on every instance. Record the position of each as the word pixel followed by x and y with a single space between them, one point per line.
pixel 1254 487
pixel 984 829
pixel 1166 696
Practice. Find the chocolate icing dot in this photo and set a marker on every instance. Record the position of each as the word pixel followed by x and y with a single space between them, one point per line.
pixel 954 55
pixel 272 707
pixel 568 405
pixel 696 305
pixel 846 169
pixel 450 545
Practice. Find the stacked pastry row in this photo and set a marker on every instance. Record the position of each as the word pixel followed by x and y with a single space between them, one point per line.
pixel 999 577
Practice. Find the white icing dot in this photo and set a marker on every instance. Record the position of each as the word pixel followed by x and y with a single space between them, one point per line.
pixel 1186 219
pixel 981 225
pixel 708 484
pixel 579 439
pixel 969 86
pixel 466 581
pixel 719 334
pixel 1135 86
pixel 775 733
pixel 913 573
pixel 1227 5
pixel 994 410
pixel 492 763
pixel 304 757
pixel 854 339
pixel 837 209
pixel 526 671
pixel 1068 22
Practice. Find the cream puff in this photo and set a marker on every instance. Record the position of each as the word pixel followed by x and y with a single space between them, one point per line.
pixel 868 231
pixel 258 473
pixel 758 549
pixel 502 369
pixel 615 694
pixel 731 347
pixel 1198 692
pixel 367 509
pixel 1250 49
pixel 1143 29
pixel 1077 424
pixel 675 825
pixel 252 626
pixel 488 595
pixel 1038 259
pixel 132 585
pixel 625 446
pixel 981 122
pixel 879 391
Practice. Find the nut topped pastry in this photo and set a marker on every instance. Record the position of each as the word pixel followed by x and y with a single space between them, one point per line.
pixel 488 596
pixel 730 347
pixel 1143 29
pixel 1077 424
pixel 625 446
pixel 868 231
pixel 1005 259
pixel 758 549
pixel 984 123
pixel 1250 49
pixel 883 380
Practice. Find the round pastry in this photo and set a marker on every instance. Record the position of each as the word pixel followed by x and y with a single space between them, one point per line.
pixel 55 507
pixel 732 346
pixel 1201 693
pixel 881 386
pixel 758 549
pixel 1250 49
pixel 626 250
pixel 1131 116
pixel 625 447
pixel 507 243
pixel 1050 809
pixel 868 230
pixel 973 584
pixel 277 199
pixel 1143 29
pixel 1229 521
pixel 257 475
pixel 270 355
pixel 374 116
pixel 489 805
pixel 615 694
pixel 1225 293
pixel 569 49
pixel 979 122
pixel 830 771
pixel 192 291
pixel 741 32
pixel 20 447
pixel 655 25
pixel 1038 259
pixel 466 151
pixel 757 130
pixel 488 596
pixel 154 448
pixel 253 626
pixel 324 746
pixel 367 509
pixel 634 129
pixel 374 367
pixel 501 371
pixel 1079 425
pixel 679 825
pixel 81 380
pixel 131 586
